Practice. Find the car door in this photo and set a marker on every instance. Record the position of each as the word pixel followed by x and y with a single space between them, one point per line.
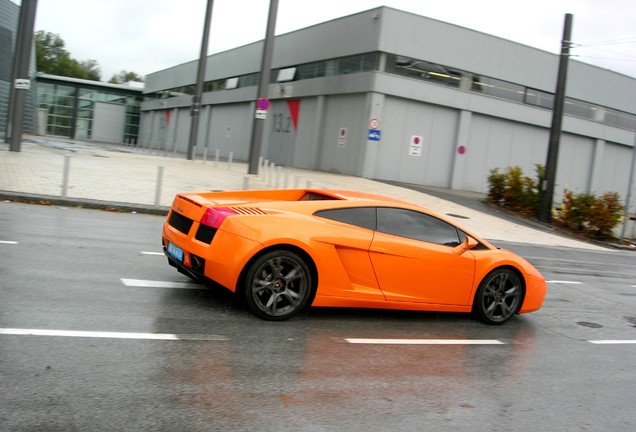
pixel 350 272
pixel 414 258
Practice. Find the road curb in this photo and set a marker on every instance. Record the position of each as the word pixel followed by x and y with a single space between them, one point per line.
pixel 83 203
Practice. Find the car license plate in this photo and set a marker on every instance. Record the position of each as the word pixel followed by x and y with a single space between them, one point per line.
pixel 175 251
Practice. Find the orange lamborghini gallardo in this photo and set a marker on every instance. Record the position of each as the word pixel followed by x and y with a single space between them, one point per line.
pixel 285 250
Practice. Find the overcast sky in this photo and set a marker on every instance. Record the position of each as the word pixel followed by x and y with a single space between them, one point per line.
pixel 146 36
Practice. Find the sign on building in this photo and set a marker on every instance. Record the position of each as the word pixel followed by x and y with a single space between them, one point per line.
pixel 415 147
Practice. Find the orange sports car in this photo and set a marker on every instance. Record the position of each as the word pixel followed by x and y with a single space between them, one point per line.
pixel 285 250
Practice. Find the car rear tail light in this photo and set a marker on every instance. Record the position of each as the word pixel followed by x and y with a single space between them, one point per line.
pixel 213 217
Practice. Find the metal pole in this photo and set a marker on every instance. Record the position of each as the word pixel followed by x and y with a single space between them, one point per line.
pixel 198 90
pixel 20 82
pixel 629 189
pixel 547 188
pixel 266 64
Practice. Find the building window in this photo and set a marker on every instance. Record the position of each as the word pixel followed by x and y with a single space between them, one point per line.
pixel 249 80
pixel 231 83
pixel 421 70
pixel 539 98
pixel 58 102
pixel 287 74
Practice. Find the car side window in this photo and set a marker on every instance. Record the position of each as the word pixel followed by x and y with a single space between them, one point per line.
pixel 418 226
pixel 363 217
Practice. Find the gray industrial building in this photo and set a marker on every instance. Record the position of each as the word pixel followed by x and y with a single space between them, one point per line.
pixel 391 95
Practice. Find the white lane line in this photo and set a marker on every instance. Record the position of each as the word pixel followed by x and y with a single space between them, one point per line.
pixel 613 342
pixel 8 242
pixel 424 341
pixel 564 282
pixel 152 253
pixel 142 283
pixel 108 335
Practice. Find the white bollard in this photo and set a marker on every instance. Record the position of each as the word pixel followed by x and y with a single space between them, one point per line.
pixel 66 175
pixel 159 184
pixel 279 170
pixel 270 176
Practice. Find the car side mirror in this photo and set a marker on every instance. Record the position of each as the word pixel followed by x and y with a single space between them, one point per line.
pixel 468 244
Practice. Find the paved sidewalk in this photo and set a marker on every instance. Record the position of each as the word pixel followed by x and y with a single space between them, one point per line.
pixel 138 179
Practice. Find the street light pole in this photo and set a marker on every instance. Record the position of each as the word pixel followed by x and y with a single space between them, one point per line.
pixel 629 189
pixel 198 89
pixel 547 187
pixel 263 87
pixel 20 80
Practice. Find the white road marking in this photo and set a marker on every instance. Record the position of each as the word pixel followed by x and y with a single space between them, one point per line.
pixel 142 283
pixel 424 341
pixel 200 337
pixel 151 253
pixel 8 242
pixel 564 282
pixel 108 335
pixel 612 342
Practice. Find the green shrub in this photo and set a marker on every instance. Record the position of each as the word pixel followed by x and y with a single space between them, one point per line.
pixel 496 186
pixel 593 216
pixel 585 213
pixel 513 190
pixel 606 214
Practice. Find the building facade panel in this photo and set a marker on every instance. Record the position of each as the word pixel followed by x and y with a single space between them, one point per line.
pixel 574 169
pixel 229 129
pixel 417 142
pixel 463 48
pixel 495 143
pixel 342 149
pixel 616 159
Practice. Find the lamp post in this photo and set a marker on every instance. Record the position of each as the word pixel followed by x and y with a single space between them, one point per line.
pixel 629 189
pixel 20 82
pixel 263 86
pixel 198 89
pixel 547 187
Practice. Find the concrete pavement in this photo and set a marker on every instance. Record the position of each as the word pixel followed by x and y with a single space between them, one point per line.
pixel 59 170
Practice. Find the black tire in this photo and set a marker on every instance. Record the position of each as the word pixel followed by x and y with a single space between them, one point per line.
pixel 498 297
pixel 278 285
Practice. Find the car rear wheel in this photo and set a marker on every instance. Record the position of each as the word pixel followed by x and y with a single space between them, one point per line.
pixel 278 285
pixel 498 297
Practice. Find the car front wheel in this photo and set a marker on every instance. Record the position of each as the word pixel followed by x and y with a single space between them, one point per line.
pixel 278 285
pixel 498 297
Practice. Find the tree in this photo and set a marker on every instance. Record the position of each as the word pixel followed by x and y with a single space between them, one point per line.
pixel 92 70
pixel 52 58
pixel 124 77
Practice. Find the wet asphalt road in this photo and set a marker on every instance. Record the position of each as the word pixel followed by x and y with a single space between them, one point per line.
pixel 97 332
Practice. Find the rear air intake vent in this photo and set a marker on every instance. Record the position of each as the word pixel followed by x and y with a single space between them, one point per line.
pixel 248 211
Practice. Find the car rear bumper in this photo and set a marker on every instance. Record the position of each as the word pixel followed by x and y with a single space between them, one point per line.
pixel 194 273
